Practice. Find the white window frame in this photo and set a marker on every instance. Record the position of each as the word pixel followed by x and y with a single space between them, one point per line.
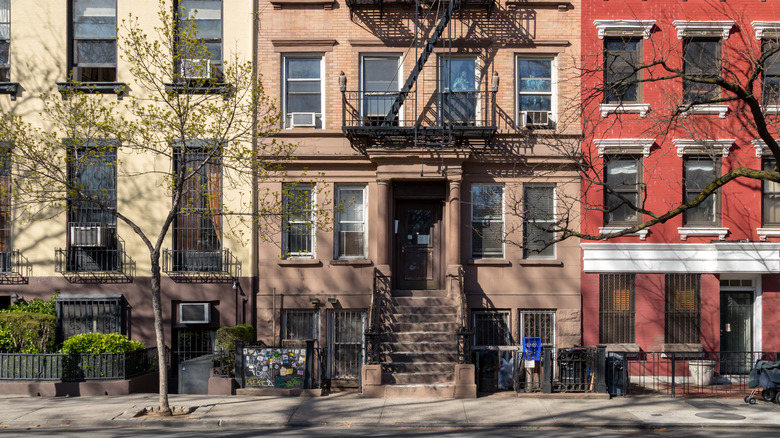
pixel 520 115
pixel 503 220
pixel 477 82
pixel 535 256
pixel 339 221
pixel 312 223
pixel 320 115
pixel 399 73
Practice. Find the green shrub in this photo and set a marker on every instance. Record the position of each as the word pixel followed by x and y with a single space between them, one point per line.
pixel 227 336
pixel 37 305
pixel 26 332
pixel 99 343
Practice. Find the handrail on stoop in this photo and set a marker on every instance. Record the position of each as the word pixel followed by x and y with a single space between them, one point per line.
pixel 463 334
pixel 373 329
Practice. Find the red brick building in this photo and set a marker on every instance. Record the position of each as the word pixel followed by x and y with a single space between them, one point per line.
pixel 707 279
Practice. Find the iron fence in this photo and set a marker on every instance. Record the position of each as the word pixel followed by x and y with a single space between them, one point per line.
pixel 710 373
pixel 77 367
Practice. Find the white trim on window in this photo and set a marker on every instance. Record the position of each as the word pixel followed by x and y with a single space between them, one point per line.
pixel 520 116
pixel 362 222
pixel 626 27
pixel 554 187
pixel 311 221
pixel 502 220
pixel 624 145
pixel 703 28
pixel 317 115
pixel 690 146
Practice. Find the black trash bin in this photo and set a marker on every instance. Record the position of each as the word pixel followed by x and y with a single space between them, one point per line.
pixel 617 374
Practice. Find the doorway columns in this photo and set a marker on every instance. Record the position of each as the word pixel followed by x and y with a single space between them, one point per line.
pixel 455 180
pixel 383 222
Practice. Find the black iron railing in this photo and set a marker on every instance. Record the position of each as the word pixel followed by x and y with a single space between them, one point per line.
pixel 200 264
pixel 463 335
pixel 373 324
pixel 460 114
pixel 77 367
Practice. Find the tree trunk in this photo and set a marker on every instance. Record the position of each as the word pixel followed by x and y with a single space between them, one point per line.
pixel 162 362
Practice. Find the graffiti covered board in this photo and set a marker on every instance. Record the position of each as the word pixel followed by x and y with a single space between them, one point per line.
pixel 274 367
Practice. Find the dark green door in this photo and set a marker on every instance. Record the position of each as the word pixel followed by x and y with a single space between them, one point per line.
pixel 736 332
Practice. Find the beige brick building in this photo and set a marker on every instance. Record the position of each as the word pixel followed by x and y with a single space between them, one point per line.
pixel 437 182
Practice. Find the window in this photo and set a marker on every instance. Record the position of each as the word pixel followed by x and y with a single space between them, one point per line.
pixel 458 81
pixel 538 221
pixel 303 91
pixel 92 240
pixel 700 170
pixel 538 324
pixel 701 60
pixel 77 314
pixel 491 328
pixel 5 208
pixel 617 308
pixel 535 97
pixel 351 222
pixel 380 87
pixel 93 42
pixel 346 338
pixel 298 227
pixel 487 221
pixel 5 40
pixel 770 74
pixel 300 324
pixel 623 176
pixel 621 58
pixel 201 22
pixel 683 309
pixel 197 227
pixel 771 199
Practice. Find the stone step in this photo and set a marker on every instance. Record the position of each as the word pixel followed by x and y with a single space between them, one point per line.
pixel 423 301
pixel 418 367
pixel 428 377
pixel 427 356
pixel 420 347
pixel 431 311
pixel 430 326
pixel 419 336
pixel 421 317
pixel 445 390
pixel 419 293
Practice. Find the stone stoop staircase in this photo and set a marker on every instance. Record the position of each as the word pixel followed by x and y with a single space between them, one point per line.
pixel 419 346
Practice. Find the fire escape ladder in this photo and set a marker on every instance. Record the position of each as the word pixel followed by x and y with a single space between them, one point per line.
pixel 391 116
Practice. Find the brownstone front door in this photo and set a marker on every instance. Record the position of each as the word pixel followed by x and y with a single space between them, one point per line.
pixel 418 244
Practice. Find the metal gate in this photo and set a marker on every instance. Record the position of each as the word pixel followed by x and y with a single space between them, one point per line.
pixel 346 343
pixel 191 343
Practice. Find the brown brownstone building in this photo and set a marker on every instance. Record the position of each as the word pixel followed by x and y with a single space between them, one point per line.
pixel 428 138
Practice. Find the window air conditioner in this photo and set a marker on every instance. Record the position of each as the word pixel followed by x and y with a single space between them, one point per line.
pixel 194 313
pixel 537 119
pixel 89 235
pixel 195 69
pixel 302 119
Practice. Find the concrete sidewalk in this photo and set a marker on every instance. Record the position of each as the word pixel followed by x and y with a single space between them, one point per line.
pixel 648 412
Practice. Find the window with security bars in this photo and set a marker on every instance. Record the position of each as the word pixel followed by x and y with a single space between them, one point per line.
pixel 78 314
pixel 298 227
pixel 347 327
pixel 770 73
pixel 5 40
pixel 622 56
pixel 538 324
pixel 92 239
pixel 770 203
pixel 201 22
pixel 197 227
pixel 5 208
pixel 93 40
pixel 487 221
pixel 539 221
pixel 491 328
pixel 300 324
pixel 617 308
pixel 682 309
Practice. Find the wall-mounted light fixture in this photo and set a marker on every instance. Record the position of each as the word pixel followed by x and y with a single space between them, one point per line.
pixel 14 298
pixel 333 300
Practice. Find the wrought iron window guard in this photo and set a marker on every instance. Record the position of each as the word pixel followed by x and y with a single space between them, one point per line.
pixel 208 86
pixel 69 88
pixel 219 266
pixel 11 88
pixel 95 264
pixel 14 268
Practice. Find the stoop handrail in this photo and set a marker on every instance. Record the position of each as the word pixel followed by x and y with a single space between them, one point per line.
pixel 373 330
pixel 463 334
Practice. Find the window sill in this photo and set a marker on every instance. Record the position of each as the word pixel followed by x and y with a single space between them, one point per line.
pixel 609 230
pixel 200 87
pixel 490 262
pixel 11 88
pixel 326 4
pixel 763 233
pixel 623 348
pixel 300 262
pixel 351 262
pixel 682 348
pixel 720 110
pixel 532 262
pixel 625 108
pixel 68 88
pixel 686 232
pixel 517 4
pixel 309 132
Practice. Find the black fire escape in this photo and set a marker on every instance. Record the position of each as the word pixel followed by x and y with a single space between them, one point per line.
pixel 442 118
